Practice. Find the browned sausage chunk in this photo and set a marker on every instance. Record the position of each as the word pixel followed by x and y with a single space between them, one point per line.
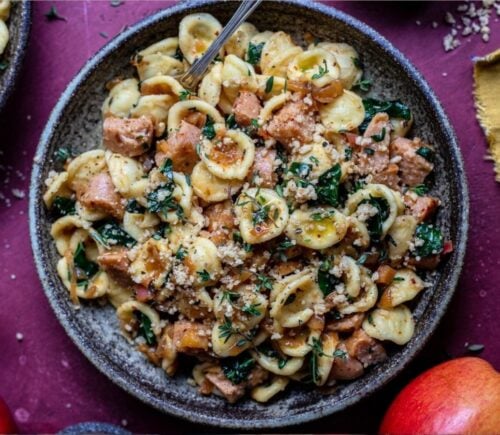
pixel 364 348
pixel 100 194
pixel 220 222
pixel 372 154
pixel 229 390
pixel 421 207
pixel 294 121
pixel 263 171
pixel 180 147
pixel 190 337
pixel 346 324
pixel 246 107
pixel 345 368
pixel 389 176
pixel 116 263
pixel 413 167
pixel 129 137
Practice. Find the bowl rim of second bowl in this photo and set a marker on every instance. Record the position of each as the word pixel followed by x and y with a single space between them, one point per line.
pixel 180 411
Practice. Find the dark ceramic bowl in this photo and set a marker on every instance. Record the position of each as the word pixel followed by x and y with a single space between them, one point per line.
pixel 76 121
pixel 19 24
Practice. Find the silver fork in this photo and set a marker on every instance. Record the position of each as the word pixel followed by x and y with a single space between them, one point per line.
pixel 194 74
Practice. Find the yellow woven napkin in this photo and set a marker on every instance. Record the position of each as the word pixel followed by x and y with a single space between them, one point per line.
pixel 487 96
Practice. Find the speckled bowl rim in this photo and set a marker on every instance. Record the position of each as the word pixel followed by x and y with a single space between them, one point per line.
pixel 308 415
pixel 12 72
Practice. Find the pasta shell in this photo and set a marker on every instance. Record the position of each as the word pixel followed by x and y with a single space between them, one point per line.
pixel 196 34
pixel 229 157
pixel 211 188
pixel 121 99
pixel 396 324
pixel 262 215
pixel 317 228
pixel 316 66
pixel 345 113
pixel 211 85
pixel 183 108
pixel 124 172
pixel 404 287
pixel 345 56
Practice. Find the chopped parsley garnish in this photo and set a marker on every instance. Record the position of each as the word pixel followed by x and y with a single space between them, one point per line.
pixel 231 121
pixel 327 188
pixel 375 223
pixel 319 216
pixel 204 275
pixel 359 184
pixel 238 239
pixel 420 189
pixel 267 350
pixel 84 268
pixel 339 353
pixel 226 330
pixel 299 169
pixel 134 207
pixel 264 283
pixel 53 15
pixel 208 130
pixel 230 296
pixel 398 278
pixel 431 240
pixel 63 206
pixel 62 154
pixel 362 85
pixel 379 137
pixel 269 84
pixel 237 369
pixel 252 309
pixel 426 153
pixel 254 52
pixel 181 253
pixel 327 281
pixel 254 123
pixel 161 200
pixel 145 328
pixel 4 64
pixel 369 151
pixel 347 154
pixel 395 109
pixel 362 259
pixel 167 169
pixel 321 71
pixel 475 348
pixel 162 231
pixel 178 54
pixel 112 234
pixel 184 95
pixel 316 352
pixel 314 159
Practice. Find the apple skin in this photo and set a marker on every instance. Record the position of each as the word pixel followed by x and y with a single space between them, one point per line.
pixel 7 424
pixel 458 396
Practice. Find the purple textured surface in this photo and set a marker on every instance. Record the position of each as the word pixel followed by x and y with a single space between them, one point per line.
pixel 46 381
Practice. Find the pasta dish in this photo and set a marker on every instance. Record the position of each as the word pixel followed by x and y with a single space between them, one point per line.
pixel 272 227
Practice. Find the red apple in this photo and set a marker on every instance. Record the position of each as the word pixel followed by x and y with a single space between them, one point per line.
pixel 458 396
pixel 7 424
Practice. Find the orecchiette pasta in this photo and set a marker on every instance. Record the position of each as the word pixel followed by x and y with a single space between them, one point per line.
pixel 265 228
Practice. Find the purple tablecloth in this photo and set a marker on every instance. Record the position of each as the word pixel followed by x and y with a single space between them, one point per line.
pixel 44 378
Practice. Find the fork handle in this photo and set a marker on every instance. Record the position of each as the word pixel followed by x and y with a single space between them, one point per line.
pixel 195 73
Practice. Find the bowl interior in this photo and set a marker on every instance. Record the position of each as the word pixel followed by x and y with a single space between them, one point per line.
pixel 76 121
pixel 19 26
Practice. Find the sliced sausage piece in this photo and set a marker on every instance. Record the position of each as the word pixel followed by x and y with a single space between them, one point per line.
pixel 345 368
pixel 129 137
pixel 221 222
pixel 294 121
pixel 389 176
pixel 425 263
pixel 364 348
pixel 246 107
pixel 421 207
pixel 101 194
pixel 257 376
pixel 263 171
pixel 116 264
pixel 346 324
pixel 180 147
pixel 413 167
pixel 229 390
pixel 190 337
pixel 372 151
pixel 385 274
